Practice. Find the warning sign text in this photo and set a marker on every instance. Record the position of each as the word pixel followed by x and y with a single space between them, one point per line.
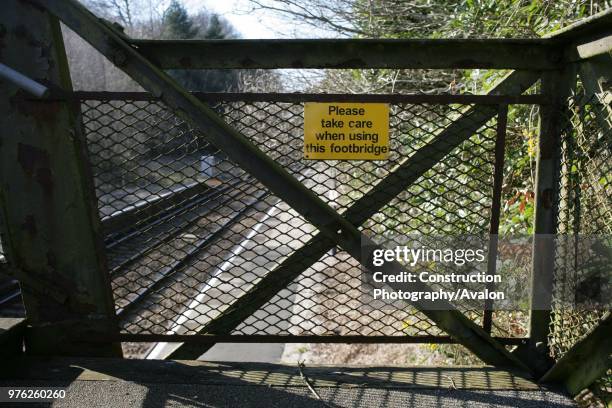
pixel 346 131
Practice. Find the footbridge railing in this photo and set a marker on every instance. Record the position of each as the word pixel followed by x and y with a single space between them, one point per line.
pixel 187 219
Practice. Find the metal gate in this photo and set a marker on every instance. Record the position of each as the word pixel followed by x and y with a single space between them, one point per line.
pixel 189 234
pixel 216 229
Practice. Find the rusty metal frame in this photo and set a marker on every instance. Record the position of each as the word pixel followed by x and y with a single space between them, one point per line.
pixel 407 172
pixel 131 56
pixel 47 202
pixel 335 229
pixel 211 339
pixel 500 101
pixel 206 340
pixel 586 361
pixel 463 99
pixel 493 53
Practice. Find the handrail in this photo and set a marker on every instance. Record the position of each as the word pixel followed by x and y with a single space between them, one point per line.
pixel 23 82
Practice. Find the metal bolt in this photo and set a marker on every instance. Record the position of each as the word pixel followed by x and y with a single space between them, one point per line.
pixel 119 58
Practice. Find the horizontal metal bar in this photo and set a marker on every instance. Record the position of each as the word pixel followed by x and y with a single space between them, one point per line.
pixel 594 25
pixel 536 99
pixel 594 48
pixel 580 51
pixel 536 54
pixel 267 338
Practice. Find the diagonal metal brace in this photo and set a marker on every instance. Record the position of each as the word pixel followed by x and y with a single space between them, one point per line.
pixel 237 147
pixel 246 155
pixel 407 172
pixel 586 361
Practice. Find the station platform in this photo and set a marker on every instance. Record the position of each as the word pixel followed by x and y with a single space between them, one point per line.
pixel 104 382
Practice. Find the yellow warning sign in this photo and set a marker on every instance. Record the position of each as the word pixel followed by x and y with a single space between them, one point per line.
pixel 346 131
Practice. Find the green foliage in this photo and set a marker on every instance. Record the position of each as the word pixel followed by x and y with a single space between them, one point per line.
pixel 519 18
pixel 215 30
pixel 465 19
pixel 177 23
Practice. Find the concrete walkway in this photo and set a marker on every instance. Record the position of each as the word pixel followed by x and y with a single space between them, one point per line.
pixel 245 352
pixel 147 383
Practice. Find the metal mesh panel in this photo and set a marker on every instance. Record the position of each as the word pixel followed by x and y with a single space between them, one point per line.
pixel 188 232
pixel 325 299
pixel 585 210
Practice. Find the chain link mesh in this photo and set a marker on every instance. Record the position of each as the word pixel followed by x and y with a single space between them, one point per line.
pixel 188 232
pixel 585 209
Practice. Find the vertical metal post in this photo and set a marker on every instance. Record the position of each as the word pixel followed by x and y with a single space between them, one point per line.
pixel 556 85
pixel 47 199
pixel 498 181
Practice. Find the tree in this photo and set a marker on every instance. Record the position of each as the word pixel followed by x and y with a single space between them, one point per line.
pixel 177 23
pixel 215 30
pixel 121 10
pixel 427 18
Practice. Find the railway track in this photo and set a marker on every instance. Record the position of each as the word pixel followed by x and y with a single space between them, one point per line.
pixel 165 230
pixel 144 227
pixel 140 234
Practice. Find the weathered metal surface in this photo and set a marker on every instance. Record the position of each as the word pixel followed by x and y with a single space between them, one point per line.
pixel 594 48
pixel 583 39
pixel 498 179
pixel 586 361
pixel 11 337
pixel 251 159
pixel 210 339
pixel 548 163
pixel 586 38
pixel 46 196
pixel 534 99
pixel 352 53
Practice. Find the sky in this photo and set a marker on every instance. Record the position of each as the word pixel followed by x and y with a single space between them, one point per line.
pixel 261 25
pixel 252 25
